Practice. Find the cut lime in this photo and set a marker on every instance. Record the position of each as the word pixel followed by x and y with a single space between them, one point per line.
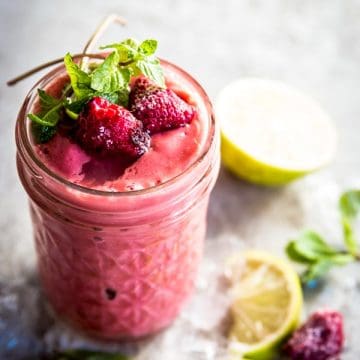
pixel 266 307
pixel 272 133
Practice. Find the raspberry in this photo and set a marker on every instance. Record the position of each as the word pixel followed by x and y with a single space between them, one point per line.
pixel 108 128
pixel 320 338
pixel 159 109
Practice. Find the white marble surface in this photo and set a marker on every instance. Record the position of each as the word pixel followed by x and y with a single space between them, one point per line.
pixel 311 44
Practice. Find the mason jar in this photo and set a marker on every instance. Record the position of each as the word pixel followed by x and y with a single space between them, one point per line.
pixel 118 265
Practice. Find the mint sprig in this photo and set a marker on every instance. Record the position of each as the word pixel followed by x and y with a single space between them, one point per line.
pixel 109 79
pixel 316 255
pixel 140 59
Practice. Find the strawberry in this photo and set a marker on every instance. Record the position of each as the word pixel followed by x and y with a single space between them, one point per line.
pixel 107 128
pixel 159 109
pixel 320 338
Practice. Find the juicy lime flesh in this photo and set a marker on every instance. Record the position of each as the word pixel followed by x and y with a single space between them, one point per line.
pixel 276 124
pixel 262 303
pixel 267 303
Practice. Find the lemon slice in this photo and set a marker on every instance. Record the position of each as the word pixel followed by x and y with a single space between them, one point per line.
pixel 266 307
pixel 271 132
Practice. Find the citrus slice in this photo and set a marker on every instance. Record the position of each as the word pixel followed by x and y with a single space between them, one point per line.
pixel 266 306
pixel 271 132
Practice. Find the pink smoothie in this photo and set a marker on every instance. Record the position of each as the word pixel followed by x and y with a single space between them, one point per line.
pixel 171 152
pixel 114 262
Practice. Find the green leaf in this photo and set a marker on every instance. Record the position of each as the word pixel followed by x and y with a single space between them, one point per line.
pixel 341 259
pixel 127 50
pixel 350 203
pixel 76 106
pixel 88 355
pixel 148 47
pixel 294 255
pixel 37 119
pixel 42 134
pixel 139 59
pixel 51 118
pixel 123 97
pixel 316 270
pixel 152 69
pixel 323 265
pixel 80 80
pixel 47 101
pixel 107 77
pixel 311 246
pixel 119 97
pixel 349 236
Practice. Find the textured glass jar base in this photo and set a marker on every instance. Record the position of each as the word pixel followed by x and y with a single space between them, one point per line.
pixel 116 282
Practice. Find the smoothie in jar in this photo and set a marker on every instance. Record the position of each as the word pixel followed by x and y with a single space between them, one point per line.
pixel 119 176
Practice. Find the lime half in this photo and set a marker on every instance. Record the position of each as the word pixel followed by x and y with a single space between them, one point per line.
pixel 266 306
pixel 271 132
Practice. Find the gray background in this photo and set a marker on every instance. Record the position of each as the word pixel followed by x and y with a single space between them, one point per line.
pixel 313 45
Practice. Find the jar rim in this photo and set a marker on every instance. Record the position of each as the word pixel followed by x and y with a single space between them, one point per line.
pixel 23 142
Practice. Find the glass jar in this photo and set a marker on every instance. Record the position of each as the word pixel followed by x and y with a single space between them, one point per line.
pixel 118 265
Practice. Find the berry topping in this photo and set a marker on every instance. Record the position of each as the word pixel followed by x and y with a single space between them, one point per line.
pixel 320 338
pixel 108 128
pixel 159 109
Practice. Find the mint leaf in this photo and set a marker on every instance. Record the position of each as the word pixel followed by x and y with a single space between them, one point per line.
pixel 125 52
pixel 341 259
pixel 108 77
pixel 294 255
pixel 350 203
pixel 47 101
pixel 311 250
pixel 349 237
pixel 323 265
pixel 316 270
pixel 311 246
pixel 42 134
pixel 132 43
pixel 139 59
pixel 152 69
pixel 38 120
pixel 80 80
pixel 119 97
pixel 50 118
pixel 76 106
pixel 148 47
pixel 44 123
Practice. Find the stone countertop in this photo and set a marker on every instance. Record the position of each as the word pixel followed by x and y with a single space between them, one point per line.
pixel 313 45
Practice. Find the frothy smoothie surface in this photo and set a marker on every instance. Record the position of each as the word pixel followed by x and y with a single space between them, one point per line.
pixel 171 152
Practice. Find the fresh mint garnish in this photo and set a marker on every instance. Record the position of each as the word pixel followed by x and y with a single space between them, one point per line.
pixel 140 59
pixel 318 257
pixel 47 101
pixel 349 205
pixel 80 80
pixel 109 79
pixel 42 134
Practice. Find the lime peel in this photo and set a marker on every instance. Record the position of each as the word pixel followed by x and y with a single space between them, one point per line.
pixel 265 348
pixel 271 132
